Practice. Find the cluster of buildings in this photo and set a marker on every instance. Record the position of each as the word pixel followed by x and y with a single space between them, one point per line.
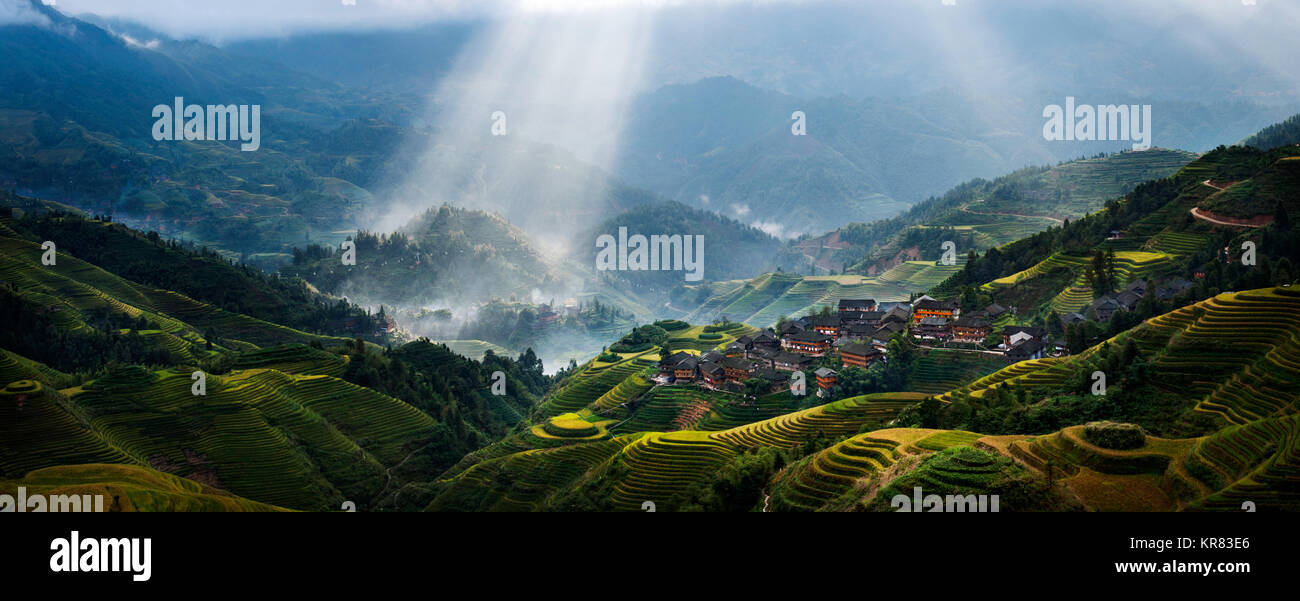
pixel 942 320
pixel 858 332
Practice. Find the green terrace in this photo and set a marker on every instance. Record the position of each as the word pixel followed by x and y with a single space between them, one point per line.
pixel 296 441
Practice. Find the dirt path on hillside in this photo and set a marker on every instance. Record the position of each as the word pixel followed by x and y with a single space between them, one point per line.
pixel 1228 221
pixel 966 208
pixel 1209 217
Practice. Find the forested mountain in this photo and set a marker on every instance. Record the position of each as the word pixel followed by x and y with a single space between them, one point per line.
pixel 446 256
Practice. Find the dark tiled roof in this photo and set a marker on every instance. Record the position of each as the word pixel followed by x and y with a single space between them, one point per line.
pixel 937 305
pixel 675 358
pixel 860 329
pixel 832 321
pixel 889 328
pixel 860 350
pixel 790 358
pixel 857 303
pixel 823 372
pixel 810 337
pixel 738 363
pixel 1034 331
pixel 1026 347
pixel 1128 298
pixel 791 327
pixel 1139 286
pixel 1105 302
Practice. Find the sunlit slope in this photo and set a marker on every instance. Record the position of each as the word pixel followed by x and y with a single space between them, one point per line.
pixel 1130 265
pixel 527 480
pixel 295 441
pixel 72 289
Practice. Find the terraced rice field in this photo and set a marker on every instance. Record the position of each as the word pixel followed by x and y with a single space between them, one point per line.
pixel 746 300
pixel 661 465
pixel 475 349
pixel 305 442
pixel 569 426
pixel 534 476
pixel 38 430
pixel 1129 265
pixel 1035 372
pixel 293 359
pixel 1148 478
pixel 843 469
pixel 1074 298
pixel 733 414
pixel 1005 231
pixel 1237 349
pixel 589 385
pixel 939 371
pixel 1056 260
pixel 697 338
pixel 662 407
pixel 1177 243
pixel 74 288
pixel 1259 462
pixel 14 367
pixel 832 420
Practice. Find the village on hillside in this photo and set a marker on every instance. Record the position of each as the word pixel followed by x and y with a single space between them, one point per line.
pixel 858 332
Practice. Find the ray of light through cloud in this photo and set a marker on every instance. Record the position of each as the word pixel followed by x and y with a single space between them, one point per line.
pixel 567 82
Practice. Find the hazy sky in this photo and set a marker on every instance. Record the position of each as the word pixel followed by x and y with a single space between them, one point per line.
pixel 232 19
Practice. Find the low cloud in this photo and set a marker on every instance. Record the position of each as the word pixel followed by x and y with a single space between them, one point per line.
pixel 21 12
pixel 773 229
